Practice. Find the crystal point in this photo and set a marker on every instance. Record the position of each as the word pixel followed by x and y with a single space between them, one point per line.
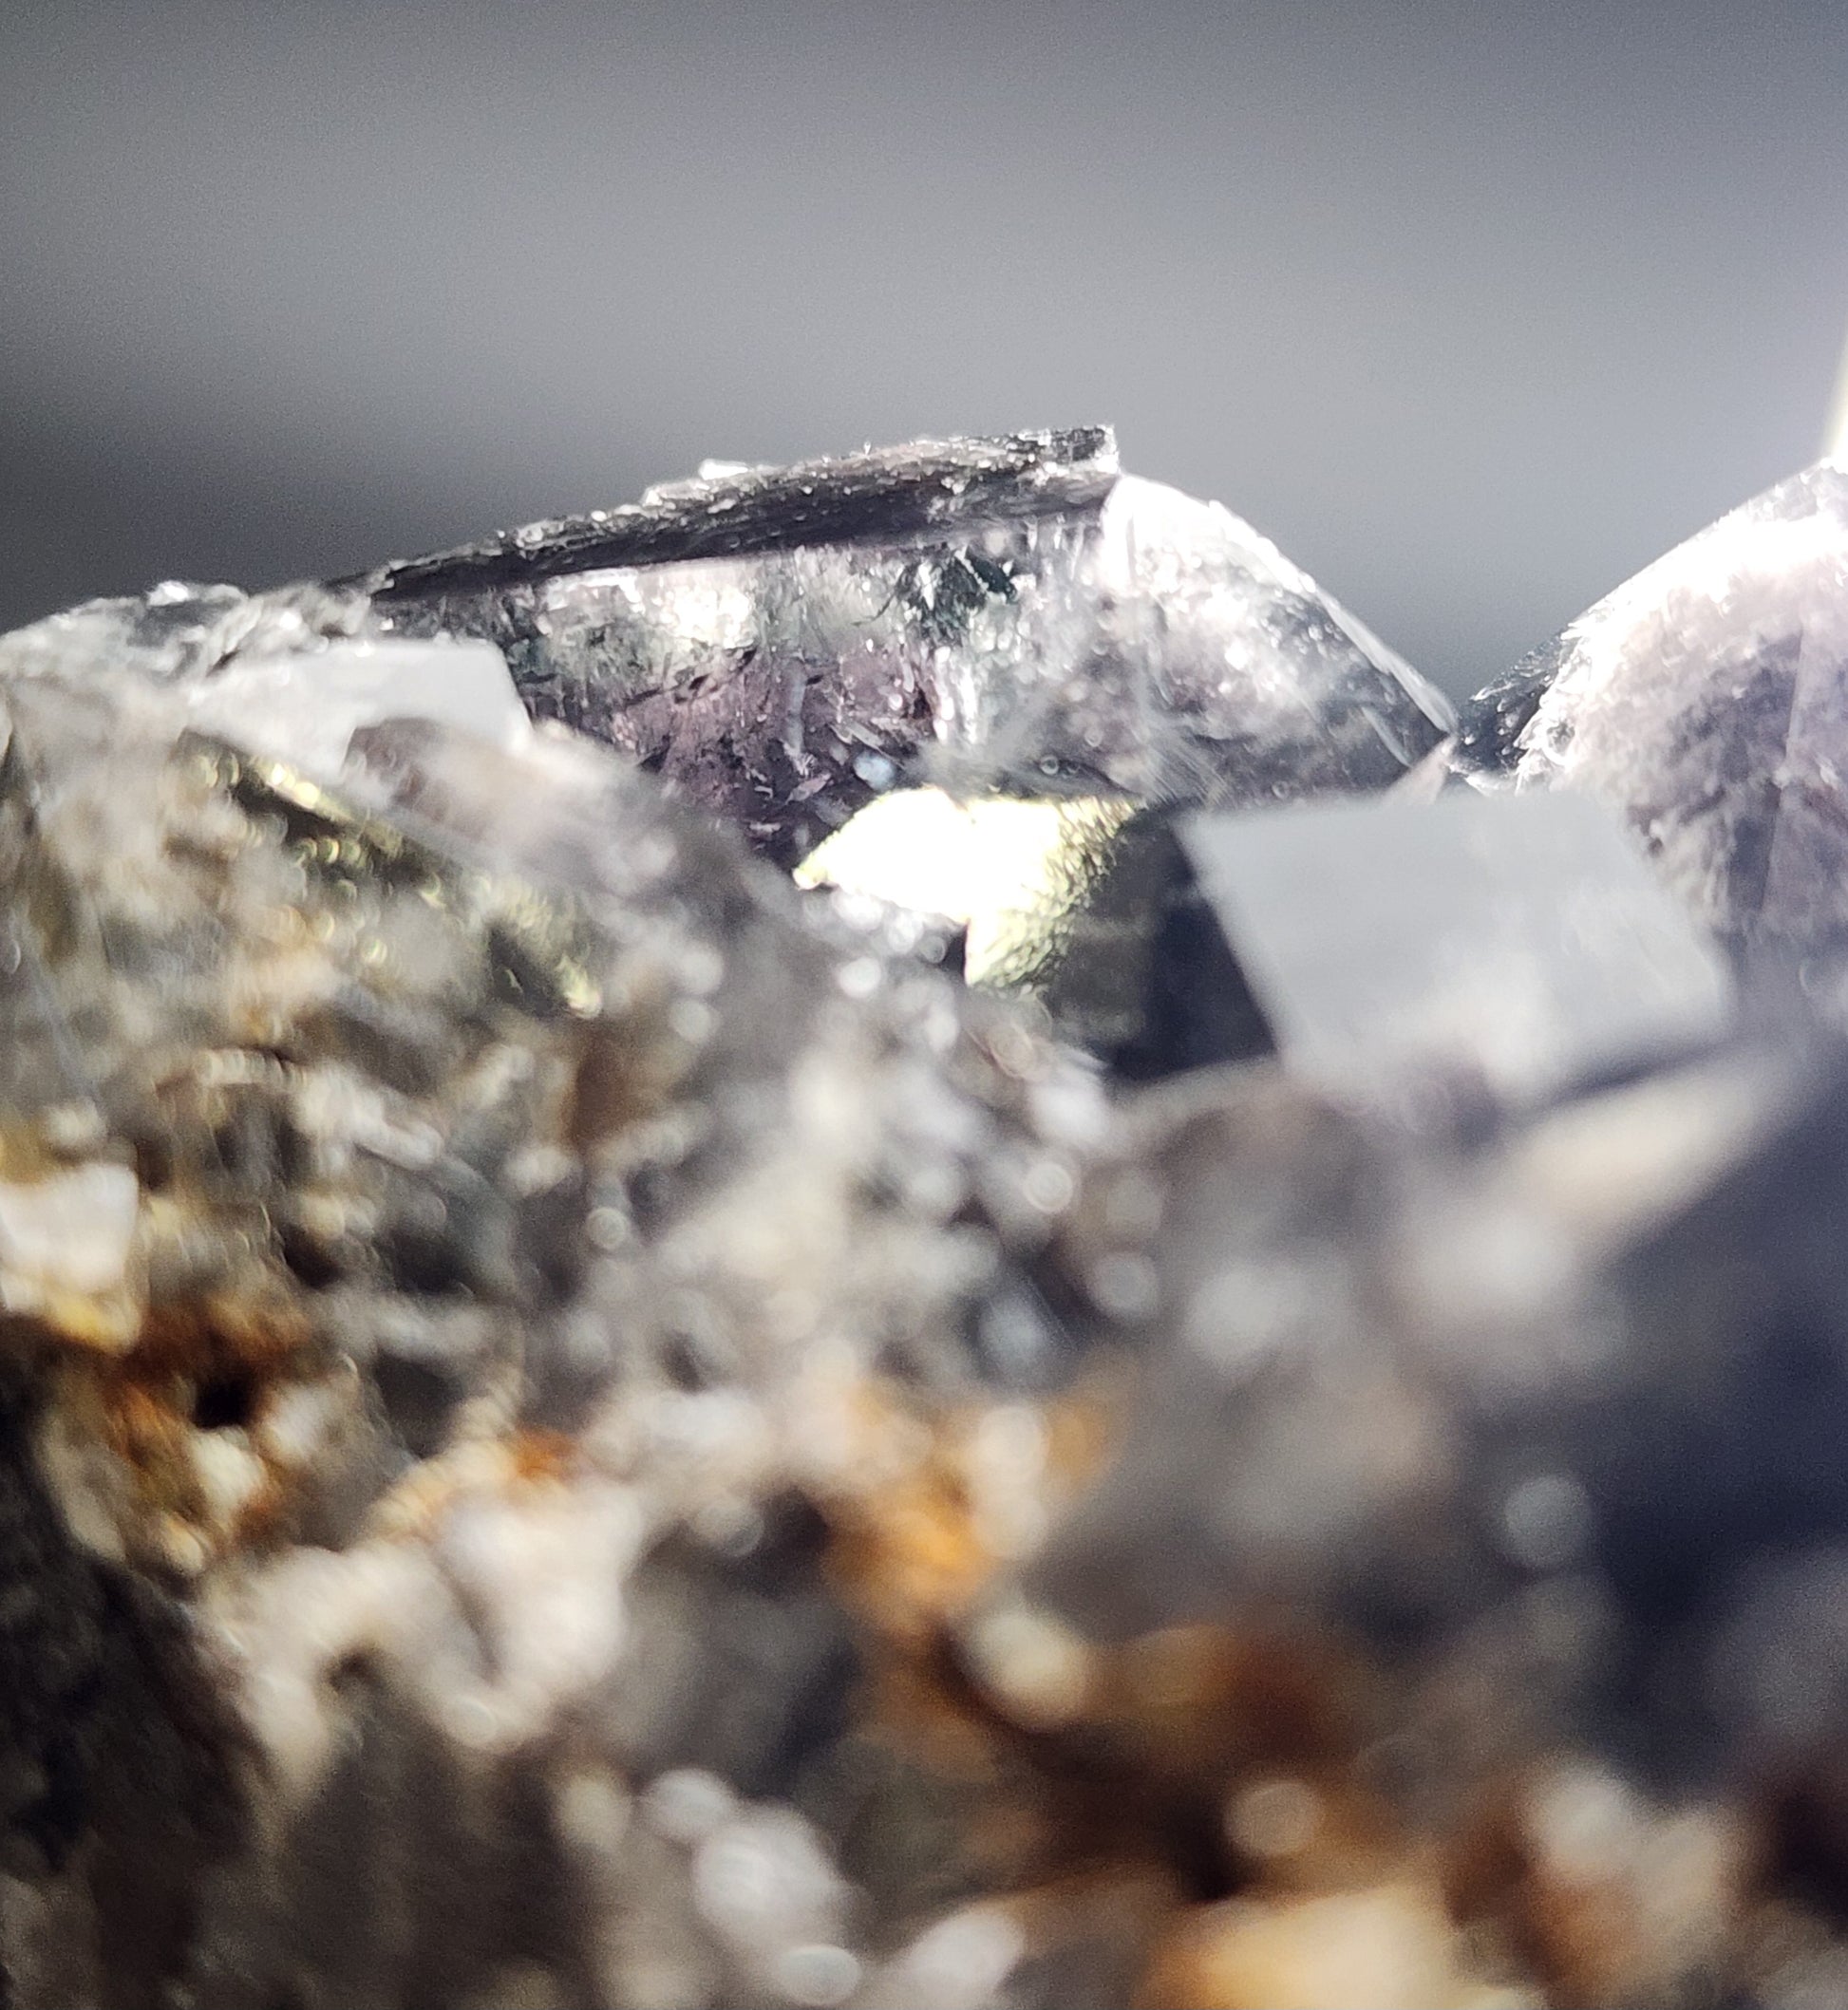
pixel 1002 617
pixel 581 1422
pixel 1705 700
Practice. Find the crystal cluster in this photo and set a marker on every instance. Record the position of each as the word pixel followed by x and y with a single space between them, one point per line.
pixel 1084 1382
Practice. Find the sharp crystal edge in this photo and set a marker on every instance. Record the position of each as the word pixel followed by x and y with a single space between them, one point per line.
pixel 1704 701
pixel 1520 943
pixel 875 666
pixel 1006 616
pixel 581 1428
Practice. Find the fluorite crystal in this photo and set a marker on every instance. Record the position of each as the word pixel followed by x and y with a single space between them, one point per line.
pixel 1704 701
pixel 580 1426
pixel 1520 944
pixel 1006 617
pixel 955 669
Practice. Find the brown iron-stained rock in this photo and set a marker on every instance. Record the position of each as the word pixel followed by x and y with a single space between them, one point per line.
pixel 581 1428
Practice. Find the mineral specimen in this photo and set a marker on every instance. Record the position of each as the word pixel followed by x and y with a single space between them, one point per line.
pixel 582 1427
pixel 1522 942
pixel 1703 699
pixel 1005 617
pixel 450 1245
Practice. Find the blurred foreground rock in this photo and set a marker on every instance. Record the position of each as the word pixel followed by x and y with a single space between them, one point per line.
pixel 581 1426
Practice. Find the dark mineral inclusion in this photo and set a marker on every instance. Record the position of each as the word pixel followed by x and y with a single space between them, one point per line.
pixel 581 1426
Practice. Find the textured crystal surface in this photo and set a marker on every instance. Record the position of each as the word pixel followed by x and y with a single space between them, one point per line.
pixel 1001 617
pixel 1704 700
pixel 469 1249
pixel 582 1427
pixel 826 656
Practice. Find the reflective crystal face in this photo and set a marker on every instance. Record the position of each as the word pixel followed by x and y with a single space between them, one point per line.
pixel 1707 700
pixel 945 676
pixel 1005 617
pixel 1515 942
pixel 577 1427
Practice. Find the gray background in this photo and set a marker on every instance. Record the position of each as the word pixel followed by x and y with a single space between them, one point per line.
pixel 1472 308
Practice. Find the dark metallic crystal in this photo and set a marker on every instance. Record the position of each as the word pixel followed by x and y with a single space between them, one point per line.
pixel 577 1427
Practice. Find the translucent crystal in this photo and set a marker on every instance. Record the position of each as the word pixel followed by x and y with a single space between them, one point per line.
pixel 905 657
pixel 577 1426
pixel 997 616
pixel 1707 701
pixel 305 706
pixel 281 674
pixel 1523 942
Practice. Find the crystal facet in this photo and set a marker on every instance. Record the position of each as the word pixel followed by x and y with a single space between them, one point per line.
pixel 1704 700
pixel 1522 941
pixel 580 1425
pixel 1005 617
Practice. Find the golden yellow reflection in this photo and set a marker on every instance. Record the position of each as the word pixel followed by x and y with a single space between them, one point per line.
pixel 1014 872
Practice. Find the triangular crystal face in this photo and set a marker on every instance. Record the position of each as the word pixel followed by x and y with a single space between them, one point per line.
pixel 1707 701
pixel 1006 616
pixel 961 649
pixel 577 1426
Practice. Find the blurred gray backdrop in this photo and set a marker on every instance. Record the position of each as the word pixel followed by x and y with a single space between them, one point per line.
pixel 1474 308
